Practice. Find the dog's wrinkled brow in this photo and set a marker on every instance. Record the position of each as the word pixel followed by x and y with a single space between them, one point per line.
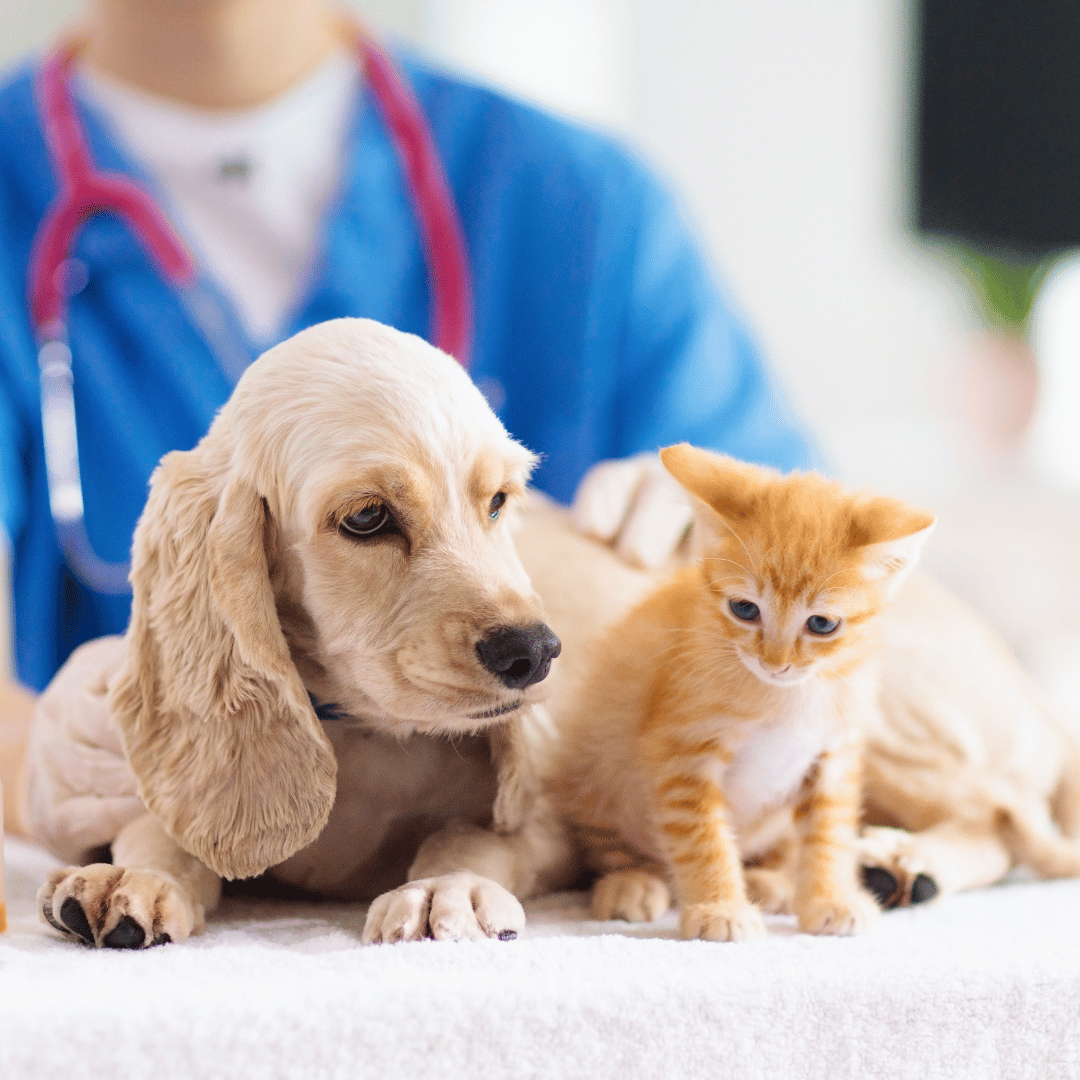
pixel 492 472
pixel 410 493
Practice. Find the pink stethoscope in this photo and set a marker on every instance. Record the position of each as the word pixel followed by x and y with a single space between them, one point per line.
pixel 85 191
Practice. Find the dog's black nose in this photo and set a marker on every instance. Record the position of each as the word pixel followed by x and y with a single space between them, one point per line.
pixel 519 656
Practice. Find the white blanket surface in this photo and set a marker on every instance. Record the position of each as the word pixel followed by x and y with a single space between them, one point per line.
pixel 981 985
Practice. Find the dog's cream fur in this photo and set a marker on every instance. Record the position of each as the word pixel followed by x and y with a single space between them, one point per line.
pixel 248 598
pixel 192 747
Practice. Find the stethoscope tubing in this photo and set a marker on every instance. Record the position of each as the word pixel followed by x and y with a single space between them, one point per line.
pixel 83 191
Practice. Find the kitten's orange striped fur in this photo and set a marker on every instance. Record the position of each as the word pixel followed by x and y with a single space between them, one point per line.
pixel 715 715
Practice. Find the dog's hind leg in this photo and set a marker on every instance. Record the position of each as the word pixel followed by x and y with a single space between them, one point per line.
pixel 902 868
pixel 1065 803
pixel 152 893
pixel 1034 839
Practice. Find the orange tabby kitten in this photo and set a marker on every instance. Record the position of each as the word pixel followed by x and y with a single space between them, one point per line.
pixel 724 713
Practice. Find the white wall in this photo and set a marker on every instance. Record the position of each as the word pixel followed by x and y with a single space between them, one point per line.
pixel 572 55
pixel 785 125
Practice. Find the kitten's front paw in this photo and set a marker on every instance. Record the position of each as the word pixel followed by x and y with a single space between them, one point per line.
pixel 850 912
pixel 633 895
pixel 722 922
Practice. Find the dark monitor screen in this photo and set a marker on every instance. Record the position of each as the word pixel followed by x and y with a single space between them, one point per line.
pixel 999 123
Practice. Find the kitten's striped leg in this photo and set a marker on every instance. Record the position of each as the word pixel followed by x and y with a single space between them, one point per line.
pixel 700 847
pixel 828 897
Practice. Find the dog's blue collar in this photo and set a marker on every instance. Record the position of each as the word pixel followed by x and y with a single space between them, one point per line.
pixel 328 710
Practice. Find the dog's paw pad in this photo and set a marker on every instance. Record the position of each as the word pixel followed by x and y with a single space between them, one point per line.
pixel 923 888
pixel 126 934
pixel 882 885
pixel 74 918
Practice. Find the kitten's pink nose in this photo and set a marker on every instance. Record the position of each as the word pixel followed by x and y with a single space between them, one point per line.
pixel 772 669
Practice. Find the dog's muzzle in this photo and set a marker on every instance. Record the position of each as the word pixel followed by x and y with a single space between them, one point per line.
pixel 519 656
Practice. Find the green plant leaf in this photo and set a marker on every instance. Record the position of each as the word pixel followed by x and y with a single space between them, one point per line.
pixel 1005 288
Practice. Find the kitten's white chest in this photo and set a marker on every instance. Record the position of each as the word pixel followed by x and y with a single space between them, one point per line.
pixel 770 764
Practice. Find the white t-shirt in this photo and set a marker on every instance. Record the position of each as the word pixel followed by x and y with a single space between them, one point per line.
pixel 247 189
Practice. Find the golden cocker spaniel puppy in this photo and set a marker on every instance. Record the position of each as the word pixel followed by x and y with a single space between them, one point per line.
pixel 332 669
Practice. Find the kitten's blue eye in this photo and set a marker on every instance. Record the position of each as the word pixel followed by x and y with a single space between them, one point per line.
pixel 744 609
pixel 818 624
pixel 498 501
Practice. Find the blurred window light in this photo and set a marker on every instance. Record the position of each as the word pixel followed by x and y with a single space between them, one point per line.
pixel 569 55
pixel 1054 441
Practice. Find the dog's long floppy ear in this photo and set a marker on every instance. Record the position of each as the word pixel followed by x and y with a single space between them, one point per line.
pixel 215 721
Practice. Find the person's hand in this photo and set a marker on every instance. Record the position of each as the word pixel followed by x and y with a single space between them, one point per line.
pixel 636 504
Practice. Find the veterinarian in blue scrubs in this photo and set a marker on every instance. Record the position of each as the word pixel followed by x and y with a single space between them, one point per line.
pixel 598 330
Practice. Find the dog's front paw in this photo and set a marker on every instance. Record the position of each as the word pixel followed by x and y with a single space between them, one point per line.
pixel 728 921
pixel 114 908
pixel 633 895
pixel 892 869
pixel 850 912
pixel 452 907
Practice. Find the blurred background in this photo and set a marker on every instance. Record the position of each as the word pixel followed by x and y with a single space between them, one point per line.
pixel 790 131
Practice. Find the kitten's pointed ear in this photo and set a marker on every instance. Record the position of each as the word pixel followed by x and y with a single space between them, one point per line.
pixel 722 483
pixel 891 536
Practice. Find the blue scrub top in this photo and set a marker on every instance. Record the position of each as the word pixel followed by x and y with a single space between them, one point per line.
pixel 598 325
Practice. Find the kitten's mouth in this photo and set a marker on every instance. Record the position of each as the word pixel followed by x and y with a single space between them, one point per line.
pixel 788 676
pixel 785 678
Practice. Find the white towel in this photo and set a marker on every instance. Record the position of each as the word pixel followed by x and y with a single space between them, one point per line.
pixel 982 985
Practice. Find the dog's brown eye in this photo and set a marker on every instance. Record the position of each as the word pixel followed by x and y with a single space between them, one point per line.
pixel 497 502
pixel 371 520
